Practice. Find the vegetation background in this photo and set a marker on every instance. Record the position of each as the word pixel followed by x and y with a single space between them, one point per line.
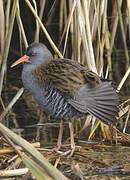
pixel 95 33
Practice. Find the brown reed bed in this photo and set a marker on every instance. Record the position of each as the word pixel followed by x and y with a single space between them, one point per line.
pixel 94 33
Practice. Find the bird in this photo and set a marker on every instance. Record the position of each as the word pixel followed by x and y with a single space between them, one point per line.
pixel 66 89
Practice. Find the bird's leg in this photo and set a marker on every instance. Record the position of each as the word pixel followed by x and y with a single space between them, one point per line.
pixel 71 138
pixel 40 115
pixel 72 143
pixel 59 141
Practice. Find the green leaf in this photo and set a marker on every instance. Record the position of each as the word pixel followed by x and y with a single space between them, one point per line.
pixel 34 153
pixel 35 169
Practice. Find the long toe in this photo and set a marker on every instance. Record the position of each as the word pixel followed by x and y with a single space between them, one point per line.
pixel 72 151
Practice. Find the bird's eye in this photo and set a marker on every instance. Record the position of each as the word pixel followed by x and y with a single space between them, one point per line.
pixel 33 53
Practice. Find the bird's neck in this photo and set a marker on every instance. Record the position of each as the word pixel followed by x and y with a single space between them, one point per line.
pixel 28 77
pixel 37 61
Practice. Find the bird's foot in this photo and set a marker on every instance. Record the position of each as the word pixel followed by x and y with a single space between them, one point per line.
pixel 59 141
pixel 57 148
pixel 62 152
pixel 71 151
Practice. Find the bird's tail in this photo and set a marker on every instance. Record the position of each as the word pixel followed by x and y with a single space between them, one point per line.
pixel 101 101
pixel 106 103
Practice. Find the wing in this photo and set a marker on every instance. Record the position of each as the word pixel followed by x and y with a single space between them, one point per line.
pixel 67 76
pixel 82 88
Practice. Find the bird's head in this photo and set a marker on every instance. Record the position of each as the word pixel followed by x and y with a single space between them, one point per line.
pixel 36 54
